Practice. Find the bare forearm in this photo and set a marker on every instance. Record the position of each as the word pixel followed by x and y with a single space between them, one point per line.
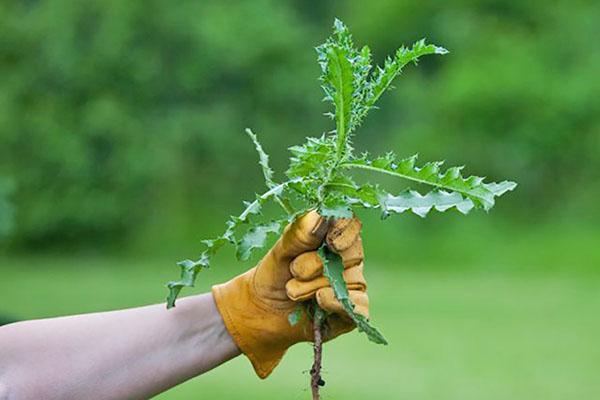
pixel 131 354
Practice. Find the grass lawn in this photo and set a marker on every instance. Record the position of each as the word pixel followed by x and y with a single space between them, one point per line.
pixel 454 334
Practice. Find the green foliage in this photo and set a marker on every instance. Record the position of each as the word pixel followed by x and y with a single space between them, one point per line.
pixel 255 238
pixel 319 170
pixel 263 159
pixel 112 127
pixel 393 66
pixel 349 84
pixel 465 193
pixel 104 115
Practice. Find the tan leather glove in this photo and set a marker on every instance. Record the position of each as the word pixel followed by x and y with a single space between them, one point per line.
pixel 255 305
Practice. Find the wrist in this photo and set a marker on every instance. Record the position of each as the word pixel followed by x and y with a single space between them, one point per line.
pixel 199 334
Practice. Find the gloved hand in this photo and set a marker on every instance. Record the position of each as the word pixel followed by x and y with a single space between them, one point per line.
pixel 255 305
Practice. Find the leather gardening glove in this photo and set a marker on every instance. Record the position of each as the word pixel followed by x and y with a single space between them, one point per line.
pixel 255 305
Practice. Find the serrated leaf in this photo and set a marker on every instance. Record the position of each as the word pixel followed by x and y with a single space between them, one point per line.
pixel 382 77
pixel 421 205
pixel 190 268
pixel 333 269
pixel 473 188
pixel 339 75
pixel 263 159
pixel 213 245
pixel 312 159
pixel 372 196
pixel 335 206
pixel 392 67
pixel 255 238
pixel 498 189
pixel 189 272
pixel 335 211
pixel 367 195
pixel 364 86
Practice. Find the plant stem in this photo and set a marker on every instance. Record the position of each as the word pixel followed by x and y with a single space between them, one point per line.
pixel 315 372
pixel 285 205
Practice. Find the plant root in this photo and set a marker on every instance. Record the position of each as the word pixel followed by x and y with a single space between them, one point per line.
pixel 315 372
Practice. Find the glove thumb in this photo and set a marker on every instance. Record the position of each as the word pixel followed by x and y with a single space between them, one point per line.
pixel 304 234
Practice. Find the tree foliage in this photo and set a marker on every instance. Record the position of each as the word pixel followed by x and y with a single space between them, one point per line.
pixel 107 112
pixel 6 208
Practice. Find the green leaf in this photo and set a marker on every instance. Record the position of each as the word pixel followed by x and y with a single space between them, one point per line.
pixel 213 245
pixel 339 76
pixel 498 189
pixel 473 188
pixel 313 159
pixel 255 238
pixel 335 211
pixel 335 206
pixel 347 70
pixel 189 272
pixel 372 196
pixel 263 159
pixel 344 72
pixel 190 268
pixel 311 163
pixel 333 269
pixel 392 67
pixel 255 207
pixel 421 205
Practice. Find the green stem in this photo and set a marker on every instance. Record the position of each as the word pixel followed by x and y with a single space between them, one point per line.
pixel 285 205
pixel 341 185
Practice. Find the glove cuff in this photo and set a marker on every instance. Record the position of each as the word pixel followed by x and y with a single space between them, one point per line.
pixel 263 334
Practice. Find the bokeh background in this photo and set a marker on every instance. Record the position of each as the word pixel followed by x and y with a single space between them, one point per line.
pixel 122 146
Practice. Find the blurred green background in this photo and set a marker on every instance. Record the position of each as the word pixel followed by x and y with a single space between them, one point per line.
pixel 122 146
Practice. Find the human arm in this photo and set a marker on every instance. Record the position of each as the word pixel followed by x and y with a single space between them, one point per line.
pixel 139 352
pixel 126 354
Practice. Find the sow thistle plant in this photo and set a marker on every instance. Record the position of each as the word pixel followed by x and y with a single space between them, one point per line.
pixel 320 173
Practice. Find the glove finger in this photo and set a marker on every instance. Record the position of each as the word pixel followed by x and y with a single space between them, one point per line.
pixel 327 301
pixel 304 234
pixel 355 279
pixel 354 254
pixel 343 233
pixel 308 266
pixel 298 290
